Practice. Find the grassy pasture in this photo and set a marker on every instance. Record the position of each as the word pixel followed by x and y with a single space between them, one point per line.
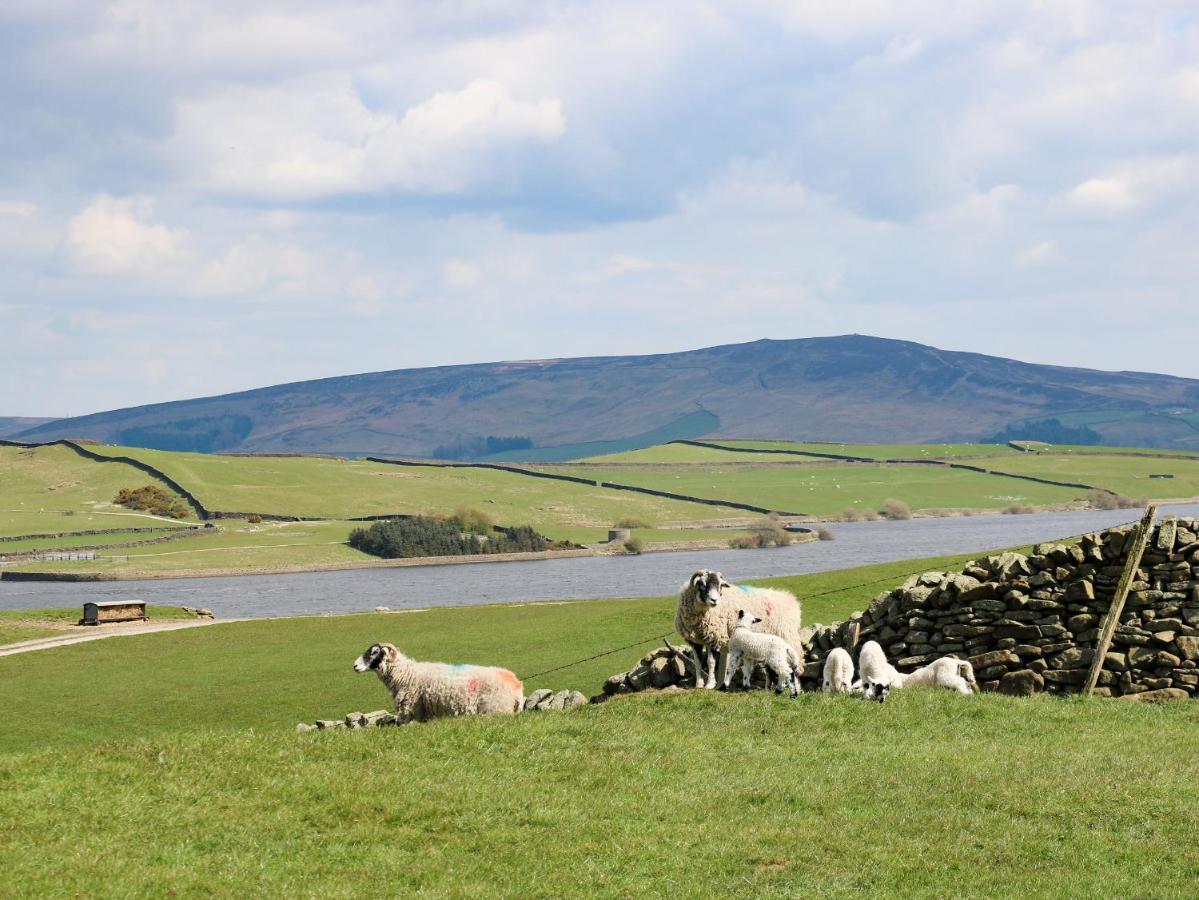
pixel 1127 475
pixel 338 489
pixel 929 795
pixel 53 489
pixel 825 489
pixel 950 452
pixel 26 624
pixel 70 541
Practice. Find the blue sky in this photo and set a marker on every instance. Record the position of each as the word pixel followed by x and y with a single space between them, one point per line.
pixel 205 197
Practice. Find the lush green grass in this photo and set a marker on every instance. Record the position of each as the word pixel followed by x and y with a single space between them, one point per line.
pixel 828 489
pixel 26 624
pixel 330 488
pixel 186 741
pixel 1127 475
pixel 53 489
pixel 885 451
pixel 70 541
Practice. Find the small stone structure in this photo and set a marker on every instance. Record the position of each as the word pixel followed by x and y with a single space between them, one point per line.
pixel 545 699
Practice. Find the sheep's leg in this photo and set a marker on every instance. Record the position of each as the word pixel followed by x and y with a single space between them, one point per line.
pixel 713 664
pixel 747 672
pixel 698 653
pixel 730 666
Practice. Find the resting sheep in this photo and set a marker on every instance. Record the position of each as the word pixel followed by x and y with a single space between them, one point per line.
pixel 879 677
pixel 429 690
pixel 746 648
pixel 838 672
pixel 707 612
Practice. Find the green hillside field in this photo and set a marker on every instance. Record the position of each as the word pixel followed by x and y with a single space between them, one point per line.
pixel 187 742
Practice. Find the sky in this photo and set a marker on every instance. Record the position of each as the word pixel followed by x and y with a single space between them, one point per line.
pixel 205 197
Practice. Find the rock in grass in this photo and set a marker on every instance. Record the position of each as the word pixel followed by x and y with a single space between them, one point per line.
pixel 1158 696
pixel 304 726
pixel 534 700
pixel 1021 683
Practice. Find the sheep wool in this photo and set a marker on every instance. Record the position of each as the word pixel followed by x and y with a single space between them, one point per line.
pixel 838 672
pixel 946 672
pixel 748 648
pixel 430 690
pixel 707 612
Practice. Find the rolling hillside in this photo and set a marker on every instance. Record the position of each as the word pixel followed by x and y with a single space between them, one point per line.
pixel 849 388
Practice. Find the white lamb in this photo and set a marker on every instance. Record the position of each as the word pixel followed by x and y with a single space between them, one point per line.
pixel 838 672
pixel 747 648
pixel 707 613
pixel 429 690
pixel 879 677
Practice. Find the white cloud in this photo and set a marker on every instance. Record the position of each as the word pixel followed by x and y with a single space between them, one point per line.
pixel 1113 194
pixel 1037 254
pixel 111 237
pixel 460 273
pixel 23 210
pixel 316 140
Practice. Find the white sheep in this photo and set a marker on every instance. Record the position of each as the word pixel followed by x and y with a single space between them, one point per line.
pixel 707 612
pixel 838 672
pixel 748 647
pixel 429 690
pixel 879 677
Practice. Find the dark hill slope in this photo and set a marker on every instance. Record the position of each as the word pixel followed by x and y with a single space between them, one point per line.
pixel 850 388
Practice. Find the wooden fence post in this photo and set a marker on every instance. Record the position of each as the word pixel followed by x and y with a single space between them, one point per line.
pixel 1135 552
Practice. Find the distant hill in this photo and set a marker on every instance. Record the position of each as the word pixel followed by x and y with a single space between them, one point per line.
pixel 848 388
pixel 10 425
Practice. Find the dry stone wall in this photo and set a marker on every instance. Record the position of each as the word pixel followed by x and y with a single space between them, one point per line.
pixel 1031 623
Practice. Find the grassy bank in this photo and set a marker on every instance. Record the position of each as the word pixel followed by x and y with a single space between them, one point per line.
pixel 26 624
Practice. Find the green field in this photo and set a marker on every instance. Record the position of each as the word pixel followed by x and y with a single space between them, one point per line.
pixel 53 489
pixel 950 452
pixel 1127 475
pixel 71 541
pixel 929 795
pixel 826 489
pixel 339 489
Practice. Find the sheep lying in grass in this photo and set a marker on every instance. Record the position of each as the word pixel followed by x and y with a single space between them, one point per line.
pixel 747 647
pixel 707 612
pixel 430 690
pixel 838 672
pixel 879 677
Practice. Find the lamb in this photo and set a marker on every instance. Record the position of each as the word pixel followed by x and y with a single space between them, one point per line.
pixel 707 612
pixel 429 690
pixel 879 677
pixel 747 647
pixel 838 672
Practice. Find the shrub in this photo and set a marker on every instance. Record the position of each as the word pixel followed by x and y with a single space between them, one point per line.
pixel 1018 509
pixel 869 515
pixel 474 520
pixel 152 499
pixel 632 522
pixel 824 534
pixel 766 532
pixel 1127 502
pixel 634 545
pixel 896 509
pixel 1101 499
pixel 849 514
pixel 254 519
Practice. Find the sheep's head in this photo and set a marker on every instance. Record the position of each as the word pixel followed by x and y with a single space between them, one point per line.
pixel 374 656
pixel 746 619
pixel 706 586
pixel 876 690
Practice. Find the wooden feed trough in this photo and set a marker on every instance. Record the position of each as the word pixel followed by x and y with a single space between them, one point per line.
pixel 105 611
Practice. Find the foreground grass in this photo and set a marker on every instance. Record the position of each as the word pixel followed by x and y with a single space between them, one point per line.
pixel 930 795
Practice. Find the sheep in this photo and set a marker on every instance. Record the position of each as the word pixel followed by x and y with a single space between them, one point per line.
pixel 879 677
pixel 875 674
pixel 429 690
pixel 707 612
pixel 747 647
pixel 838 672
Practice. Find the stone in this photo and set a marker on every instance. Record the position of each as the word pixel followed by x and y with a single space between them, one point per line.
pixel 638 679
pixel 354 720
pixel 1027 651
pixel 1081 622
pixel 994 658
pixel 1188 647
pixel 1065 676
pixel 304 726
pixel 660 672
pixel 614 684
pixel 1166 533
pixel 1081 590
pixel 534 700
pixel 1019 632
pixel 1116 662
pixel 1160 695
pixel 377 718
pixel 329 724
pixel 1021 683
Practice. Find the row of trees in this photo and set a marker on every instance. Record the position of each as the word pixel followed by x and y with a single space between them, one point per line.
pixel 430 536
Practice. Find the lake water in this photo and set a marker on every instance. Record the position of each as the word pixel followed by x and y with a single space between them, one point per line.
pixel 652 574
